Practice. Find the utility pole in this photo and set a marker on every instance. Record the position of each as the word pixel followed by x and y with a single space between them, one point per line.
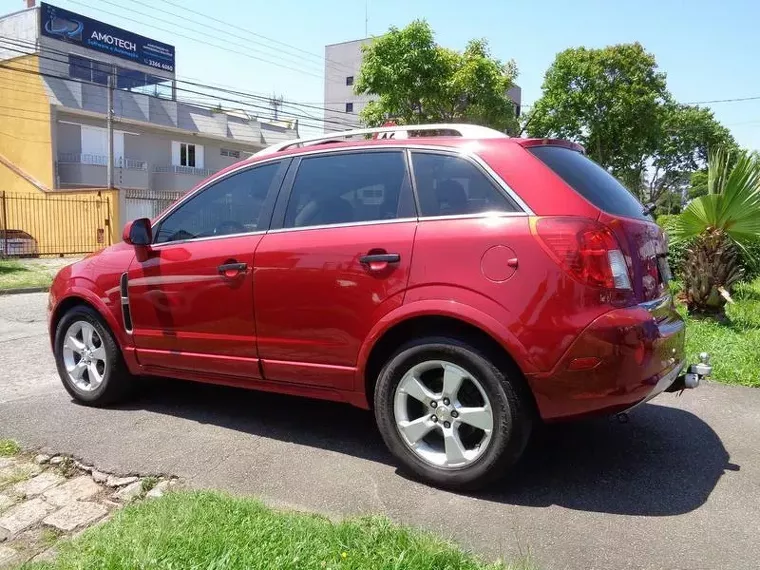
pixel 276 102
pixel 109 130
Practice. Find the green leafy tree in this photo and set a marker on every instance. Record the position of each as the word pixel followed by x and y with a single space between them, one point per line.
pixel 615 102
pixel 721 226
pixel 610 100
pixel 414 81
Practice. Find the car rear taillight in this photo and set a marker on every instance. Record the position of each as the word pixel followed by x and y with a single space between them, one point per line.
pixel 584 248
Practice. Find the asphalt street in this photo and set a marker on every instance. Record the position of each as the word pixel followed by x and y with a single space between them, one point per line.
pixel 676 487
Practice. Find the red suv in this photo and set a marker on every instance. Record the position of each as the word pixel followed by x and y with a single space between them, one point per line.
pixel 464 287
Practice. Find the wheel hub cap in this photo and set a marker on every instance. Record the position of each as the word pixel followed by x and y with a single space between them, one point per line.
pixel 84 356
pixel 443 414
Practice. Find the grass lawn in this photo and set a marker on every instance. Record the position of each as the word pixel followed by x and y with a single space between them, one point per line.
pixel 8 447
pixel 209 530
pixel 16 274
pixel 734 345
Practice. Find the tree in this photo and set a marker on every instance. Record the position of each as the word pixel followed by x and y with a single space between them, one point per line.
pixel 610 100
pixel 615 103
pixel 720 225
pixel 416 81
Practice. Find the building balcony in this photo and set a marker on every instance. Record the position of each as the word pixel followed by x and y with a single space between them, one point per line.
pixel 74 169
pixel 178 178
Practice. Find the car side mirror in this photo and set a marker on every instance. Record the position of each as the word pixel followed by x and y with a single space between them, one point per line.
pixel 138 232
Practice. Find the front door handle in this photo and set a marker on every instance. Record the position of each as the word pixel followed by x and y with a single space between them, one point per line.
pixel 380 258
pixel 232 269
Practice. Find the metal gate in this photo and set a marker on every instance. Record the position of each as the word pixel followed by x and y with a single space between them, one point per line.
pixel 148 203
pixel 46 224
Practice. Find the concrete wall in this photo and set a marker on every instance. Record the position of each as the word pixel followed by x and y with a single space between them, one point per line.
pixel 20 26
pixel 343 60
pixel 25 134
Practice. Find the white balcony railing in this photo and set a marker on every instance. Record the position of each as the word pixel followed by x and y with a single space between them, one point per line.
pixel 192 170
pixel 101 160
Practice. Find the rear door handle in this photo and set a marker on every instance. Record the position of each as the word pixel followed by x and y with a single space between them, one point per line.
pixel 380 258
pixel 232 269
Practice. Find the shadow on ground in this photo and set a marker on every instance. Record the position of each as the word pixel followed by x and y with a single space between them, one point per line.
pixel 663 462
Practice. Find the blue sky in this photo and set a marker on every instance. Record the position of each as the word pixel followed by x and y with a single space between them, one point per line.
pixel 709 50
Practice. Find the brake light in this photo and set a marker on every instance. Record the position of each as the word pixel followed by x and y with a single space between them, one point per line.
pixel 585 249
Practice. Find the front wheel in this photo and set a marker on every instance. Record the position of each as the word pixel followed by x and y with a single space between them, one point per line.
pixel 88 359
pixel 449 414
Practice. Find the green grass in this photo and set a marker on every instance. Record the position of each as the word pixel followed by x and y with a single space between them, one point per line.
pixel 15 275
pixel 8 447
pixel 734 345
pixel 209 530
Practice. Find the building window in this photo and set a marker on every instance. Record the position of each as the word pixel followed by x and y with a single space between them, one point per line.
pixel 229 152
pixel 187 154
pixel 350 80
pixel 349 107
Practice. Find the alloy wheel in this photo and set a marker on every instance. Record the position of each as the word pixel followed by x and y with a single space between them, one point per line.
pixel 84 356
pixel 443 414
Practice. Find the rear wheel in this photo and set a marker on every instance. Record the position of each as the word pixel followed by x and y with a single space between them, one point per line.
pixel 88 359
pixel 449 414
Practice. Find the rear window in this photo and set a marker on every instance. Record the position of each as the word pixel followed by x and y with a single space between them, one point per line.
pixel 591 181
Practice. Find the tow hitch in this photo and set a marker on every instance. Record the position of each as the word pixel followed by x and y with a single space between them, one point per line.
pixel 694 375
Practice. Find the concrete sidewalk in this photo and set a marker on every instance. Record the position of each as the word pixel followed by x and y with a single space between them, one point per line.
pixel 677 487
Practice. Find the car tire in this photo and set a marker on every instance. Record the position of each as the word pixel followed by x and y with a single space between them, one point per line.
pixel 496 388
pixel 89 379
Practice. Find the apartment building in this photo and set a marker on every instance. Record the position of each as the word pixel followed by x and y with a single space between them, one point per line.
pixel 342 64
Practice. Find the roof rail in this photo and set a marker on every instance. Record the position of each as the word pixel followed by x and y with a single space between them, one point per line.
pixel 464 130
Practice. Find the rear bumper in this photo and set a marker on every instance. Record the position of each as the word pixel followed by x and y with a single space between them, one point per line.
pixel 623 358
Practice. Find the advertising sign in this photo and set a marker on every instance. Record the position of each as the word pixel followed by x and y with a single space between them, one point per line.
pixel 66 26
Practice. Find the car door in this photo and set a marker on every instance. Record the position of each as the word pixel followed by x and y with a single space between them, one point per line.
pixel 191 294
pixel 336 260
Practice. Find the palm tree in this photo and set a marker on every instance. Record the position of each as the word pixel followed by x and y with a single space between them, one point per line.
pixel 721 227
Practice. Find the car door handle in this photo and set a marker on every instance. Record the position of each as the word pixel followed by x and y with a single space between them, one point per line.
pixel 380 258
pixel 232 269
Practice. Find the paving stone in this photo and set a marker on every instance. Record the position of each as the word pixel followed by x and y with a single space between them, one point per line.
pixel 129 492
pixel 114 481
pixel 4 534
pixel 6 462
pixel 99 476
pixel 57 460
pixel 75 515
pixel 160 489
pixel 37 485
pixel 83 467
pixel 7 555
pixel 76 489
pixel 23 468
pixel 5 502
pixel 41 459
pixel 48 555
pixel 24 515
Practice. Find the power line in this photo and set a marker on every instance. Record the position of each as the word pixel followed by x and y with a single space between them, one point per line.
pixel 311 54
pixel 735 100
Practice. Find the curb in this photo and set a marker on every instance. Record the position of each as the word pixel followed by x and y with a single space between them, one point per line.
pixel 24 290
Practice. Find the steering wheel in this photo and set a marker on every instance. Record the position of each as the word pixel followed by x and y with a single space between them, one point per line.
pixel 229 227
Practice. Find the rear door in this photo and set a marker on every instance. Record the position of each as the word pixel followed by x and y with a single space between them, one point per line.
pixel 337 260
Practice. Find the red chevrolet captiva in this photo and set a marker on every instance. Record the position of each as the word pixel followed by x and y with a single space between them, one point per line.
pixel 462 284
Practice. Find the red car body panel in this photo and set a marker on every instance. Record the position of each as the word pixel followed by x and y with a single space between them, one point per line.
pixel 306 314
pixel 316 303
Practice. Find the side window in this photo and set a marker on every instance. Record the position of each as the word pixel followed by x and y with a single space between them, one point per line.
pixel 344 188
pixel 449 185
pixel 231 206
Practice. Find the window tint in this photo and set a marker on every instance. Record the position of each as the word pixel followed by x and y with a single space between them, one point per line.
pixel 344 188
pixel 448 185
pixel 231 206
pixel 590 180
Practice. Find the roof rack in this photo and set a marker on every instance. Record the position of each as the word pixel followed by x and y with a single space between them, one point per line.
pixel 463 130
